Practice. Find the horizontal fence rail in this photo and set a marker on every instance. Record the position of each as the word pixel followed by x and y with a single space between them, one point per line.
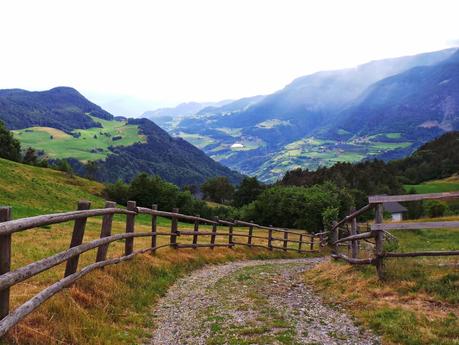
pixel 379 231
pixel 304 243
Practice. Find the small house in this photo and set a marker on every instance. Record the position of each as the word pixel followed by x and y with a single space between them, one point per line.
pixel 396 210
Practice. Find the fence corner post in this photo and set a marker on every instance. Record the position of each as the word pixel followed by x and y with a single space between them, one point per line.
pixel 196 230
pixel 77 237
pixel 249 239
pixel 334 234
pixel 230 233
pixel 154 229
pixel 105 231
pixel 285 240
pixel 214 233
pixel 174 229
pixel 130 228
pixel 270 238
pixel 5 261
pixel 354 243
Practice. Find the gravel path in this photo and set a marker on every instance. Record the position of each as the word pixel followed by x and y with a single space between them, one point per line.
pixel 251 302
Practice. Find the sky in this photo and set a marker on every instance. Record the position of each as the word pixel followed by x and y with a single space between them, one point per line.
pixel 132 56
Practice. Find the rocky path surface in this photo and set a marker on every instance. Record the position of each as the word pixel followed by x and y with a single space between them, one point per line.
pixel 251 302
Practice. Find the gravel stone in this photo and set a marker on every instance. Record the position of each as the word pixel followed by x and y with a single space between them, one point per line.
pixel 178 317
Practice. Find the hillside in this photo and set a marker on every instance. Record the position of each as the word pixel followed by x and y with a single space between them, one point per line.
pixel 64 125
pixel 437 159
pixel 419 103
pixel 32 190
pixel 174 159
pixel 300 125
pixel 63 108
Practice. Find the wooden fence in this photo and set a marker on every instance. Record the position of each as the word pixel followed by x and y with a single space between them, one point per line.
pixel 378 232
pixel 271 238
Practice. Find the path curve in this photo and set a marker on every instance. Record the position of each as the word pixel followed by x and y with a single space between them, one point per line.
pixel 251 302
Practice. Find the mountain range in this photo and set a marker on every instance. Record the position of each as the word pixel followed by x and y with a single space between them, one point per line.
pixel 62 124
pixel 381 109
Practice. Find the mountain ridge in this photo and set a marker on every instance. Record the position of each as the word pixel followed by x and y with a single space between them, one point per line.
pixel 300 125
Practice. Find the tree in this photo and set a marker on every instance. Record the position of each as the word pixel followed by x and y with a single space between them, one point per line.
pixel 118 192
pixel 10 148
pixel 193 189
pixel 64 165
pixel 30 157
pixel 148 190
pixel 218 189
pixel 249 189
pixel 91 169
pixel 299 207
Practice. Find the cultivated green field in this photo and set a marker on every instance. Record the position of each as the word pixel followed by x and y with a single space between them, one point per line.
pixel 313 153
pixel 82 144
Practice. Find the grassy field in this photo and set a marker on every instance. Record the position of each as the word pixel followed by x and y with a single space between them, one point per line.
pixel 313 153
pixel 110 306
pixel 449 184
pixel 417 304
pixel 200 141
pixel 83 144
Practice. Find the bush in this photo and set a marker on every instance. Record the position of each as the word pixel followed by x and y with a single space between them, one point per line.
pixel 218 189
pixel 148 190
pixel 10 148
pixel 63 165
pixel 434 208
pixel 299 207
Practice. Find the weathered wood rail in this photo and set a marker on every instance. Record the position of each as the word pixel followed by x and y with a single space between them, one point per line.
pixel 71 256
pixel 379 231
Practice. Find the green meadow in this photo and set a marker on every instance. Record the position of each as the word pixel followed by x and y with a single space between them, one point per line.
pixel 82 144
pixel 450 184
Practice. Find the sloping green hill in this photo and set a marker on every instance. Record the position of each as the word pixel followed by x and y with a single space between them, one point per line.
pixel 32 190
pixel 81 144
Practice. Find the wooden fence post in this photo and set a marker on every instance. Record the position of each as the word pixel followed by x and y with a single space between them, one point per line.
pixel 105 231
pixel 130 228
pixel 154 229
pixel 285 240
pixel 300 244
pixel 230 235
pixel 196 230
pixel 77 238
pixel 270 238
pixel 249 239
pixel 335 237
pixel 312 242
pixel 174 229
pixel 5 261
pixel 379 241
pixel 354 243
pixel 214 233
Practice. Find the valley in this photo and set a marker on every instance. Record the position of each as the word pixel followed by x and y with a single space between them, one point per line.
pixel 310 152
pixel 383 109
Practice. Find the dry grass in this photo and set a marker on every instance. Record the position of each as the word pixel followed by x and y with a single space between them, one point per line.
pixel 109 306
pixel 400 310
